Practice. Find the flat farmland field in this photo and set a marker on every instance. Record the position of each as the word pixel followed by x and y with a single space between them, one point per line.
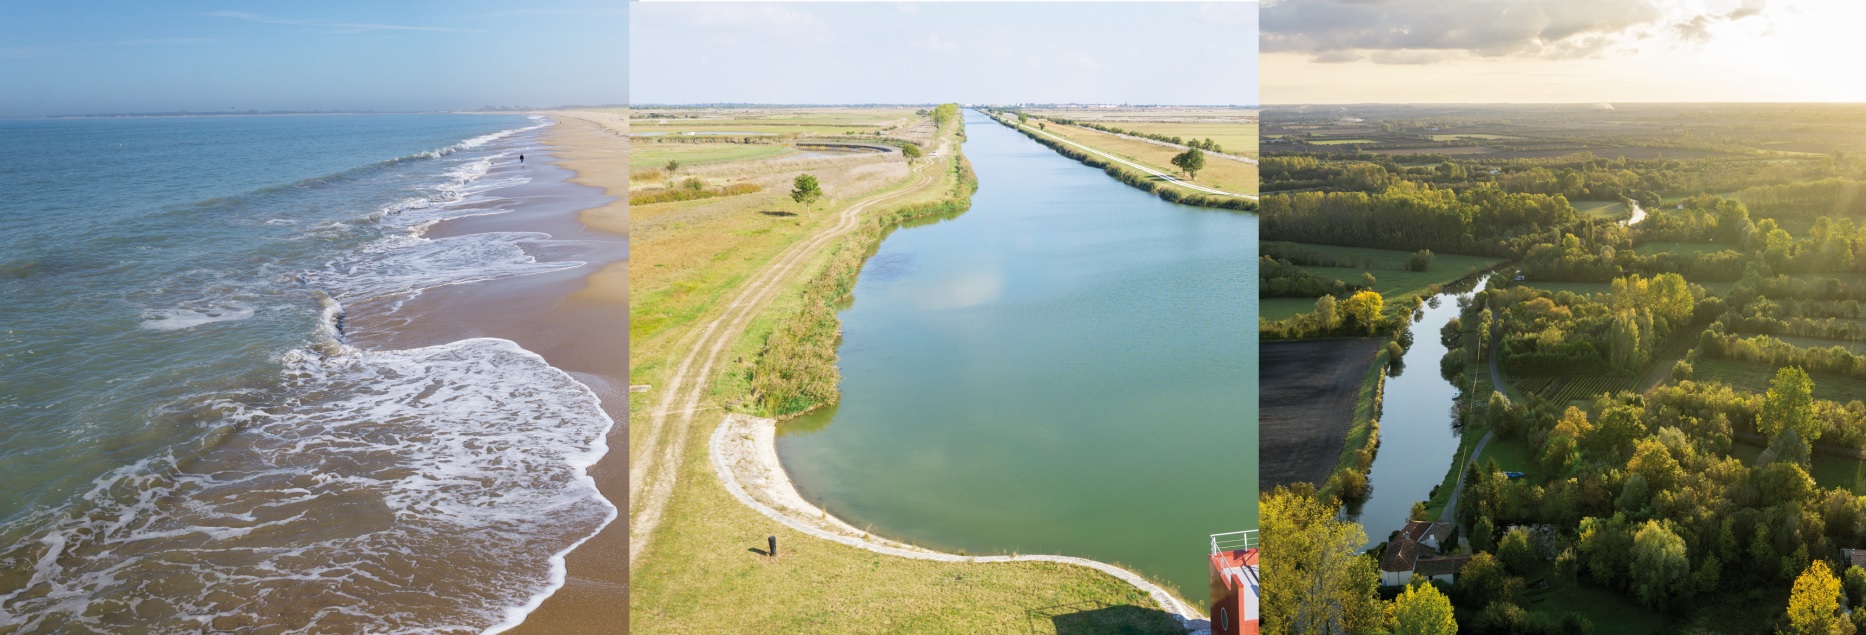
pixel 1225 174
pixel 655 155
pixel 1308 394
pixel 646 122
pixel 1234 129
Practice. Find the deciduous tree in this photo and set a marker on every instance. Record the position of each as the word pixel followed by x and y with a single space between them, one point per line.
pixel 1422 610
pixel 1814 604
pixel 805 190
pixel 1191 161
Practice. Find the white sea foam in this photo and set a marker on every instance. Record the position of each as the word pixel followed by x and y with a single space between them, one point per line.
pixel 424 490
pixel 402 265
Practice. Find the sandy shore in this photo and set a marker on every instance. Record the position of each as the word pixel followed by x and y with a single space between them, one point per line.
pixel 594 598
pixel 575 318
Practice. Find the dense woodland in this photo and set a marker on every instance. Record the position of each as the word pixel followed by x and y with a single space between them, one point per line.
pixel 1691 494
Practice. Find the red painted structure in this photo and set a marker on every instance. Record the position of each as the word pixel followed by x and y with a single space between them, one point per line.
pixel 1234 583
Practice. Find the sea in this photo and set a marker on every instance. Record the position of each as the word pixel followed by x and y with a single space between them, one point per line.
pixel 193 436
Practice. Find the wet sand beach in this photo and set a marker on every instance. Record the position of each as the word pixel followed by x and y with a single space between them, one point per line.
pixel 576 319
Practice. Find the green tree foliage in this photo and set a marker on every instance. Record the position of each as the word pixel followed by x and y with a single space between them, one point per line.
pixel 1023 118
pixel 1484 581
pixel 672 166
pixel 944 114
pixel 1789 404
pixel 1326 313
pixel 1422 610
pixel 805 190
pixel 1518 550
pixel 1191 161
pixel 1420 261
pixel 912 152
pixel 1661 572
pixel 1314 581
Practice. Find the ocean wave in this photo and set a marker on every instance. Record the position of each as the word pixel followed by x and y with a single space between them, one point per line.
pixel 415 491
pixel 404 265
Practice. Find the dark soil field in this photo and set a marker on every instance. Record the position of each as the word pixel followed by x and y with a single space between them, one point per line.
pixel 1306 405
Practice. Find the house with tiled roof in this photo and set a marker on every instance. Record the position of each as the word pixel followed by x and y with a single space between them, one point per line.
pixel 1420 548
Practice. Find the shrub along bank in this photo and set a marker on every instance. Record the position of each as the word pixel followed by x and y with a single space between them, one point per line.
pixel 796 371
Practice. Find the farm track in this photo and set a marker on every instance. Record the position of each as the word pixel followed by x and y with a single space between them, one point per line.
pixel 653 475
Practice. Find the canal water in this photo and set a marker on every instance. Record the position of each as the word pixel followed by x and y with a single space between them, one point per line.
pixel 1418 432
pixel 1067 368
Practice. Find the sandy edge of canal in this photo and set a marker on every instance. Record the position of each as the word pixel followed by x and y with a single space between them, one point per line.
pixel 743 450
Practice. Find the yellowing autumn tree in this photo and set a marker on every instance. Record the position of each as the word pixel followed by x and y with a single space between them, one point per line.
pixel 1814 604
pixel 1422 610
pixel 1364 308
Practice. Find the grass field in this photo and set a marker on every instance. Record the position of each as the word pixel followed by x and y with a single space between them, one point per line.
pixel 1755 378
pixel 1473 135
pixel 687 259
pixel 1221 173
pixel 1235 138
pixel 811 121
pixel 1234 129
pixel 654 155
pixel 1275 309
pixel 1391 277
pixel 1829 471
pixel 1614 210
pixel 1856 348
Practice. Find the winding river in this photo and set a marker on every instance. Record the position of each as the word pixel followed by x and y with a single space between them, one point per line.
pixel 1068 368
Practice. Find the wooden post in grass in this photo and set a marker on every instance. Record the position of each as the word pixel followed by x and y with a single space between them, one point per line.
pixel 772 541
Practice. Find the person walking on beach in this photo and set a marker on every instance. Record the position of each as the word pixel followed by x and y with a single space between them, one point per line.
pixel 521 158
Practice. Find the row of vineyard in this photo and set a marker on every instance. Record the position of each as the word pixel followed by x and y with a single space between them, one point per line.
pixel 1567 389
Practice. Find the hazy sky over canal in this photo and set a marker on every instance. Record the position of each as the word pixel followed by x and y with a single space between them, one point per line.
pixel 826 53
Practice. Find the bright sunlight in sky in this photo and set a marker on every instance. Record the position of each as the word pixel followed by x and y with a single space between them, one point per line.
pixel 1554 51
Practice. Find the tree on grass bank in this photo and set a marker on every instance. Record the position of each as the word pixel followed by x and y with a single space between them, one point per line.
pixel 805 190
pixel 912 152
pixel 1192 160
pixel 672 166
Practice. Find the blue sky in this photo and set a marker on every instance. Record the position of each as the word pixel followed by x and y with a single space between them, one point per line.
pixel 973 52
pixel 63 57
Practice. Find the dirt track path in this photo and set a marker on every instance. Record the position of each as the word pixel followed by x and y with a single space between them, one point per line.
pixel 653 474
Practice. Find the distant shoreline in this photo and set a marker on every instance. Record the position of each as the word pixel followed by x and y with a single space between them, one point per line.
pixel 288 113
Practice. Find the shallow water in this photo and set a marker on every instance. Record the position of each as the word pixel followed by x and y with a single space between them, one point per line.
pixel 1067 367
pixel 195 441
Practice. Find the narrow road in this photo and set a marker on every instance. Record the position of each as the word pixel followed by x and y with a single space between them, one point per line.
pixel 1451 508
pixel 1496 380
pixel 653 475
pixel 1134 165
